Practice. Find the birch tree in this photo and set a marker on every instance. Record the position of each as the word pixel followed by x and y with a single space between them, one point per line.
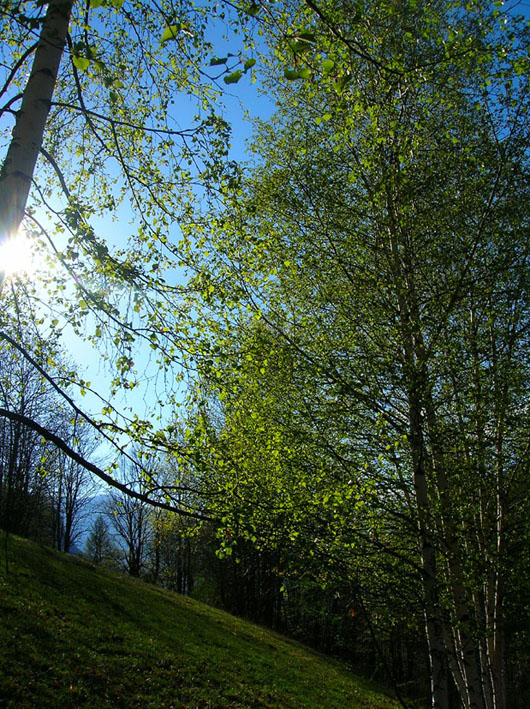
pixel 90 137
pixel 384 242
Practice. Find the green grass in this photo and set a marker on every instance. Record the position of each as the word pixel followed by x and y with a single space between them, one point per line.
pixel 72 635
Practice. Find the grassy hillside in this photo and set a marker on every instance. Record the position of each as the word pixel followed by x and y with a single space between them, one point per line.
pixel 72 636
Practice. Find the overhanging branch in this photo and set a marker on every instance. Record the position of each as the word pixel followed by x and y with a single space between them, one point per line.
pixel 101 474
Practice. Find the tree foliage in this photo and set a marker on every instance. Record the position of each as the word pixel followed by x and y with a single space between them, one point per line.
pixel 357 308
pixel 370 282
pixel 108 115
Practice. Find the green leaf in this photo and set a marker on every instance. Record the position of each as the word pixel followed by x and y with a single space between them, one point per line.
pixel 234 77
pixel 81 63
pixel 217 61
pixel 253 9
pixel 291 74
pixel 341 83
pixel 327 65
pixel 307 36
pixel 299 46
pixel 96 3
pixel 249 63
pixel 170 32
pixel 304 73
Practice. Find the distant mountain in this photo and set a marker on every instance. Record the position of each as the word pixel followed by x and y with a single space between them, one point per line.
pixel 91 511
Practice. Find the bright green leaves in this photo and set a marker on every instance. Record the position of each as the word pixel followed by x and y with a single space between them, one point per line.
pixel 293 74
pixel 250 62
pixel 300 45
pixel 301 42
pixel 171 32
pixel 324 118
pixel 327 66
pixel 340 84
pixel 234 77
pixel 232 74
pixel 94 4
pixel 80 63
pixel 85 56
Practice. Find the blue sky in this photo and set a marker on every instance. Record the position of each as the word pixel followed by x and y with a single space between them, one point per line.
pixel 239 104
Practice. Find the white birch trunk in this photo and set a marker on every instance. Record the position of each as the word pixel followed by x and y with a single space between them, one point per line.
pixel 19 164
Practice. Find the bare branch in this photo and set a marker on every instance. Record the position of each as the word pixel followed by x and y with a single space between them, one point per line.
pixel 77 458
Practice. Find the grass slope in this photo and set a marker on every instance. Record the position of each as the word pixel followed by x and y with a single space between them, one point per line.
pixel 75 636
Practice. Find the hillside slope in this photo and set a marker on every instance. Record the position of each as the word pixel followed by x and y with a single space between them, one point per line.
pixel 75 636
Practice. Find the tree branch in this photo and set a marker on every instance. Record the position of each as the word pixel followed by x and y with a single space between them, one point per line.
pixel 77 458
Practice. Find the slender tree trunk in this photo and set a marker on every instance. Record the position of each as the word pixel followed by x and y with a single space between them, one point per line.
pixel 434 625
pixel 58 504
pixel 19 164
pixel 433 620
pixel 431 484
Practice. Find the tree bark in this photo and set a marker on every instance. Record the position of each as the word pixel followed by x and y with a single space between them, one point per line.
pixel 19 165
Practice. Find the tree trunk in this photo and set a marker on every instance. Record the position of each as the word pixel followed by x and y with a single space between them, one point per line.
pixel 433 621
pixel 415 383
pixel 19 164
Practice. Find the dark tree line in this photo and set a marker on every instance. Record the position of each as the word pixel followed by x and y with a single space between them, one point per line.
pixel 43 493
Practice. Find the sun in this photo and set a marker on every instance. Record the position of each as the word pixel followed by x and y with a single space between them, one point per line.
pixel 17 256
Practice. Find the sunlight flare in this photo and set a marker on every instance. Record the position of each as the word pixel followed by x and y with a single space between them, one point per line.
pixel 17 256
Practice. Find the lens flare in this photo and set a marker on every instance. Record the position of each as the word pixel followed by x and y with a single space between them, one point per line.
pixel 16 256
